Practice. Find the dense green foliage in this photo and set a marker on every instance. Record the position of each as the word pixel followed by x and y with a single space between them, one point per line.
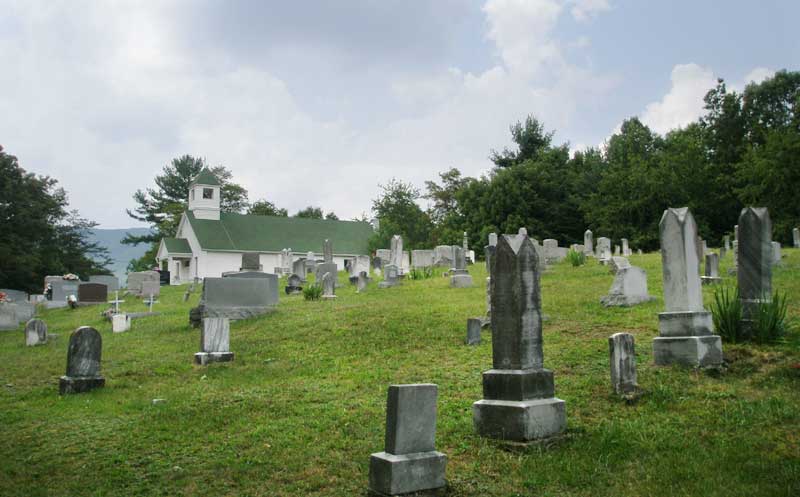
pixel 162 207
pixel 303 405
pixel 399 213
pixel 38 235
pixel 744 150
pixel 311 212
pixel 266 208
pixel 770 324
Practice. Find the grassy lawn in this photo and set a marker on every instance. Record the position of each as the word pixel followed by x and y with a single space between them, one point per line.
pixel 302 406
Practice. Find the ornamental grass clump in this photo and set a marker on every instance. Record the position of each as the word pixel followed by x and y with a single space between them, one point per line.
pixel 576 258
pixel 312 292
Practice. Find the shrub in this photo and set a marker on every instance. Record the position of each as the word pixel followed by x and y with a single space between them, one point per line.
pixel 576 258
pixel 727 313
pixel 312 292
pixel 420 273
pixel 770 324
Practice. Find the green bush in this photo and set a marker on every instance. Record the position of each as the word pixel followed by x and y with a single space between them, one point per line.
pixel 312 292
pixel 576 258
pixel 420 273
pixel 727 313
pixel 770 324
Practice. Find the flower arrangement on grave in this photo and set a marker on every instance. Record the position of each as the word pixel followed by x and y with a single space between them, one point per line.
pixel 3 297
pixel 71 277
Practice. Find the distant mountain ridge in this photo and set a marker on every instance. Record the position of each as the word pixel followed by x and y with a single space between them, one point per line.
pixel 119 253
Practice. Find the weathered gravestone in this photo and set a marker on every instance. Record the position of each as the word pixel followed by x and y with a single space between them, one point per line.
pixel 421 258
pixel 14 295
pixel 626 250
pixel 443 256
pixel 214 341
pixel 603 249
pixel 327 251
pixel 109 281
pixel 25 311
pixel 628 289
pixel 35 332
pixel 391 277
pixel 83 362
pixel 294 284
pixel 251 262
pixel 711 270
pixel 488 252
pixel 63 289
pixel 796 237
pixel 361 283
pixel 776 253
pixel 588 242
pixel 136 279
pixel 519 402
pixel 384 256
pixel 474 326
pixel 553 254
pixel 409 462
pixel 150 289
pixel 617 263
pixel 8 316
pixel 623 363
pixel 358 265
pixel 235 298
pixel 311 262
pixel 460 277
pixel 617 250
pixel 726 240
pixel 396 246
pixel 120 323
pixel 755 262
pixel 299 269
pixel 329 286
pixel 685 328
pixel 326 267
pixel 92 293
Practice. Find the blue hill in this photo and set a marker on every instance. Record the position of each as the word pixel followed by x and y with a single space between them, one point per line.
pixel 119 253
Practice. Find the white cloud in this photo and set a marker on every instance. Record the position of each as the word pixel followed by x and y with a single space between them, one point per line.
pixel 684 101
pixel 585 10
pixel 758 75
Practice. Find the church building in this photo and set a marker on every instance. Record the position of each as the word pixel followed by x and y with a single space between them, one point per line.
pixel 210 241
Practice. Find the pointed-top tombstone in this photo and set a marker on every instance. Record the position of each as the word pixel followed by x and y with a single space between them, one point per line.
pixel 328 286
pixel 327 251
pixel 685 328
pixel 519 402
pixel 396 249
pixel 83 362
pixel 588 242
pixel 796 237
pixel 755 259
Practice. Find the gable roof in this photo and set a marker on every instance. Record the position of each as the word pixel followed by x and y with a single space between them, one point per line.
pixel 252 233
pixel 177 245
pixel 206 177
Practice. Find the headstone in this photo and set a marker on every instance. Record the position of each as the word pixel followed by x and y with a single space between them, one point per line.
pixel 63 289
pixel 251 262
pixel 796 237
pixel 294 284
pixel 776 253
pixel 409 462
pixel 361 283
pixel 83 362
pixel 588 242
pixel 617 250
pixel 623 363
pixel 92 293
pixel 474 331
pixel 120 323
pixel 626 250
pixel 358 265
pixel 460 278
pixel 14 295
pixel 711 270
pixel 384 255
pixel 214 341
pixel 391 277
pixel 397 252
pixel 616 263
pixel 551 253
pixel 109 281
pixel 405 259
pixel 327 251
pixel 421 259
pixel 755 261
pixel 519 402
pixel 136 279
pixel 299 269
pixel 8 316
pixel 523 231
pixel 603 249
pixel 150 289
pixel 35 332
pixel 237 298
pixel 36 298
pixel 628 289
pixel 329 286
pixel 311 262
pixel 443 256
pixel 685 328
pixel 325 267
pixel 726 240
pixel 286 261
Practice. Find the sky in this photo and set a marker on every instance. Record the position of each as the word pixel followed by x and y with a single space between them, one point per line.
pixel 318 102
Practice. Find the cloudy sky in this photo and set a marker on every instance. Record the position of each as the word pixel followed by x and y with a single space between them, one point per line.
pixel 316 103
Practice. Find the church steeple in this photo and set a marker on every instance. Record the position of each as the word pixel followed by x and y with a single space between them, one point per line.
pixel 204 196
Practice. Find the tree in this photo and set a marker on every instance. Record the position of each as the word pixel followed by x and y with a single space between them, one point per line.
pixel 397 210
pixel 266 208
pixel 332 216
pixel 530 139
pixel 310 213
pixel 40 236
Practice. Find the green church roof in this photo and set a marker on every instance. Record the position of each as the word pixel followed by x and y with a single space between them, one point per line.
pixel 252 233
pixel 206 177
pixel 177 245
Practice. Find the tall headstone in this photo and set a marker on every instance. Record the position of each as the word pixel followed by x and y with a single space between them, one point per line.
pixel 617 250
pixel 83 362
pixel 623 363
pixel 711 276
pixel 299 269
pixel 603 250
pixel 327 251
pixel 465 243
pixel 474 331
pixel 214 341
pixel 35 332
pixel 626 250
pixel 776 253
pixel 685 328
pixel 396 247
pixel 460 278
pixel 361 283
pixel 755 261
pixel 329 286
pixel 519 402
pixel 796 237
pixel 409 462
pixel 488 251
pixel 726 240
pixel 588 242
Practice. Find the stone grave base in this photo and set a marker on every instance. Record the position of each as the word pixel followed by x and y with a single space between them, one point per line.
pixel 461 281
pixel 292 290
pixel 519 420
pixel 204 358
pixel 69 384
pixel 391 474
pixel 685 324
pixel 621 300
pixel 688 351
pixel 710 280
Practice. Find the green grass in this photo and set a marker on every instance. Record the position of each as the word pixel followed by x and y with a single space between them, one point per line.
pixel 302 406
